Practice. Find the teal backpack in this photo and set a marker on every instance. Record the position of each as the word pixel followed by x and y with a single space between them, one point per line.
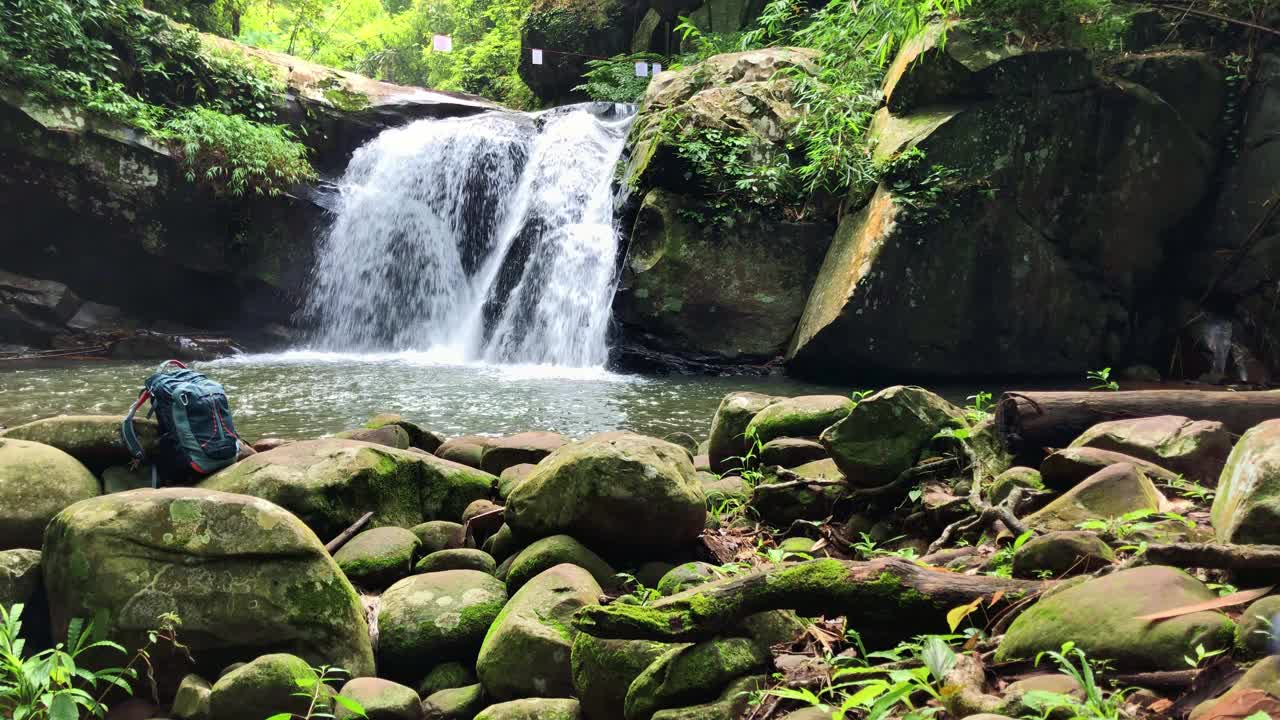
pixel 197 434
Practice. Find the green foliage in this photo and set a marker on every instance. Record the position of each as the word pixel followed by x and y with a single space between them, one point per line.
pixel 1132 523
pixel 1001 563
pixel 615 79
pixel 1097 703
pixel 1103 379
pixel 1192 490
pixel 640 593
pixel 320 700
pixel 1093 24
pixel 51 684
pixel 234 155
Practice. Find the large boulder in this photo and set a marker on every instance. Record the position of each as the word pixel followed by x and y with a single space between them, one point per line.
pixel 462 703
pixel 244 575
pixel 392 436
pixel 433 617
pixel 1247 506
pixel 465 450
pixel 1101 616
pixel 381 700
pixel 519 449
pixel 526 651
pixel 331 483
pixel 19 576
pixel 617 489
pixel 92 439
pixel 1109 493
pixel 1071 466
pixel 34 311
pixel 1195 448
pixel 690 674
pixel 1004 217
pixel 603 670
pixel 728 440
pixel 419 437
pixel 548 552
pixel 791 452
pixel 36 482
pixel 376 558
pixel 533 709
pixel 1062 553
pixel 262 687
pixel 885 432
pixel 798 417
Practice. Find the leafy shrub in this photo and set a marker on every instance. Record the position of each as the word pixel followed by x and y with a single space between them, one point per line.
pixel 233 154
pixel 615 79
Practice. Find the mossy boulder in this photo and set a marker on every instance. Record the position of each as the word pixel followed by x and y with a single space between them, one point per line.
pixel 243 574
pixel 1255 635
pixel 799 417
pixel 192 699
pixel 465 450
pixel 613 489
pixel 603 670
pixel 260 688
pixel 511 477
pixel 728 441
pixel 1247 506
pixel 548 552
pixel 419 437
pixel 19 576
pixel 885 433
pixel 94 440
pixel 381 700
pixel 688 575
pixel 462 703
pixel 1101 617
pixel 691 674
pixel 533 709
pixel 426 619
pixel 1197 449
pixel 376 558
pixel 390 435
pixel 122 478
pixel 446 676
pixel 1015 477
pixel 1109 493
pixel 460 559
pixel 526 651
pixel 1068 552
pixel 437 535
pixel 1069 467
pixel 1264 676
pixel 503 544
pixel 36 482
pixel 732 704
pixel 331 483
pixel 781 503
pixel 525 448
pixel 791 452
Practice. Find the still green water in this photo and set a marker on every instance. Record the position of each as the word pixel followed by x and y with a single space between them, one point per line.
pixel 305 394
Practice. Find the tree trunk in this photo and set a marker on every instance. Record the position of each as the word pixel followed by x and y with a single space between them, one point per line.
pixel 887 598
pixel 1213 555
pixel 1029 422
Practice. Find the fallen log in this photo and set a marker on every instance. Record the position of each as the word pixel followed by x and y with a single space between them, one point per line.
pixel 1220 556
pixel 886 596
pixel 1028 422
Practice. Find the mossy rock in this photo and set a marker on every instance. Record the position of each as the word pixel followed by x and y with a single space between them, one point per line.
pixel 526 651
pixel 244 575
pixel 1264 676
pixel 437 535
pixel 462 703
pixel 604 668
pixel 1015 477
pixel 533 709
pixel 779 504
pixel 548 552
pixel 381 700
pixel 1068 552
pixel 94 440
pixel 460 559
pixel 503 544
pixel 799 417
pixel 885 433
pixel 19 576
pixel 1109 493
pixel 732 704
pixel 1069 467
pixel 392 436
pixel 261 688
pixel 419 436
pixel 789 452
pixel 527 448
pixel 122 478
pixel 1196 449
pixel 617 490
pixel 772 627
pixel 429 618
pixel 691 674
pixel 1247 506
pixel 728 441
pixel 1101 617
pixel 465 450
pixel 192 700
pixel 511 477
pixel 446 676
pixel 688 575
pixel 331 483
pixel 36 482
pixel 1257 627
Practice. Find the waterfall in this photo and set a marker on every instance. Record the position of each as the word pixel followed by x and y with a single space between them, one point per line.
pixel 487 238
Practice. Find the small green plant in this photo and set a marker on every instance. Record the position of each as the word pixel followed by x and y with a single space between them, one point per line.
pixel 321 700
pixel 51 684
pixel 1201 655
pixel 749 462
pixel 1192 490
pixel 1097 704
pixel 643 594
pixel 979 407
pixel 1103 380
pixel 1131 523
pixel 859 395
pixel 1001 564
pixel 615 79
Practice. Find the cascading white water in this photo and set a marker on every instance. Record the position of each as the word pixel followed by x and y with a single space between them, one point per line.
pixel 484 238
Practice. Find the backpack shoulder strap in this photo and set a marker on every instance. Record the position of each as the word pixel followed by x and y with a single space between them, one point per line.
pixel 127 432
